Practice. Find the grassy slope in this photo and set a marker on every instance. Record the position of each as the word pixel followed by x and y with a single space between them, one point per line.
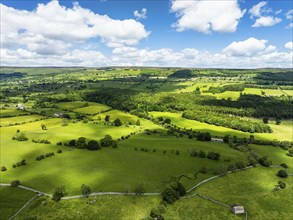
pixel 9 205
pixel 281 132
pixel 257 198
pixel 102 207
pixel 117 169
pixel 19 119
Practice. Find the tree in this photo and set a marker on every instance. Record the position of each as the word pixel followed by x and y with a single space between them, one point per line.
pixel 15 183
pixel 44 127
pixel 167 121
pixel 72 143
pixel 107 141
pixel 202 154
pixel 58 193
pixel 85 190
pixel 265 120
pixel 170 195
pixel 20 137
pixel 117 122
pixel 282 173
pixel 107 118
pixel 93 145
pixel 3 168
pixel 81 143
pixel 282 184
pixel 138 122
pixel 278 121
pixel 139 189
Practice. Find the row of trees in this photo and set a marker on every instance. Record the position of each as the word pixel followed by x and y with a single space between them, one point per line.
pixel 81 143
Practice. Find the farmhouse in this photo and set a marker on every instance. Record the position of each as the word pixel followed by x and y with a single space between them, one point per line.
pixel 58 114
pixel 20 106
pixel 238 209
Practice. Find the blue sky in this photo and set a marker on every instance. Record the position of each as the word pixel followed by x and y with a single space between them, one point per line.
pixel 230 33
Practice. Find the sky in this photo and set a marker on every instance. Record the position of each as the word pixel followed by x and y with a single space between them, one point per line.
pixel 166 33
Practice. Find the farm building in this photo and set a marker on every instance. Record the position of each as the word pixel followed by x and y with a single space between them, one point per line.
pixel 238 209
pixel 58 114
pixel 20 106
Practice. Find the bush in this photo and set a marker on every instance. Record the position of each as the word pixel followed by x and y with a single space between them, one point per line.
pixel 107 141
pixel 81 143
pixel 117 122
pixel 282 184
pixel 58 193
pixel 20 137
pixel 93 145
pixel 170 195
pixel 59 143
pixel 139 189
pixel 264 161
pixel 3 168
pixel 284 165
pixel 221 170
pixel 59 151
pixel 213 156
pixel 204 136
pixel 202 154
pixel 282 173
pixel 15 183
pixel 193 153
pixel 85 190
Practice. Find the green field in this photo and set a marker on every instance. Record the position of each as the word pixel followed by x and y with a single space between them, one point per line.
pixel 132 167
pixel 280 132
pixel 9 205
pixel 150 152
pixel 19 120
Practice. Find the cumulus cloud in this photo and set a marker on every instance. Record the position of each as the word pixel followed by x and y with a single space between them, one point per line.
pixel 289 45
pixel 289 14
pixel 264 56
pixel 140 15
pixel 259 12
pixel 266 21
pixel 58 24
pixel 206 16
pixel 257 9
pixel 249 47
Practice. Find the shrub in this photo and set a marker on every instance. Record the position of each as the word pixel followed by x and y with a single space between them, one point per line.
pixel 3 168
pixel 59 143
pixel 59 151
pixel 93 145
pixel 221 170
pixel 202 154
pixel 177 152
pixel 15 183
pixel 139 189
pixel 20 137
pixel 85 190
pixel 282 184
pixel 14 165
pixel 213 156
pixel 107 141
pixel 264 161
pixel 81 143
pixel 284 165
pixel 58 193
pixel 282 173
pixel 117 122
pixel 170 195
pixel 72 143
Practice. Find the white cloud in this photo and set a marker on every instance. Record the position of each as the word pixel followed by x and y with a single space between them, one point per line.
pixel 249 47
pixel 260 13
pixel 290 25
pixel 266 21
pixel 289 14
pixel 289 45
pixel 256 10
pixel 206 16
pixel 140 15
pixel 53 22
